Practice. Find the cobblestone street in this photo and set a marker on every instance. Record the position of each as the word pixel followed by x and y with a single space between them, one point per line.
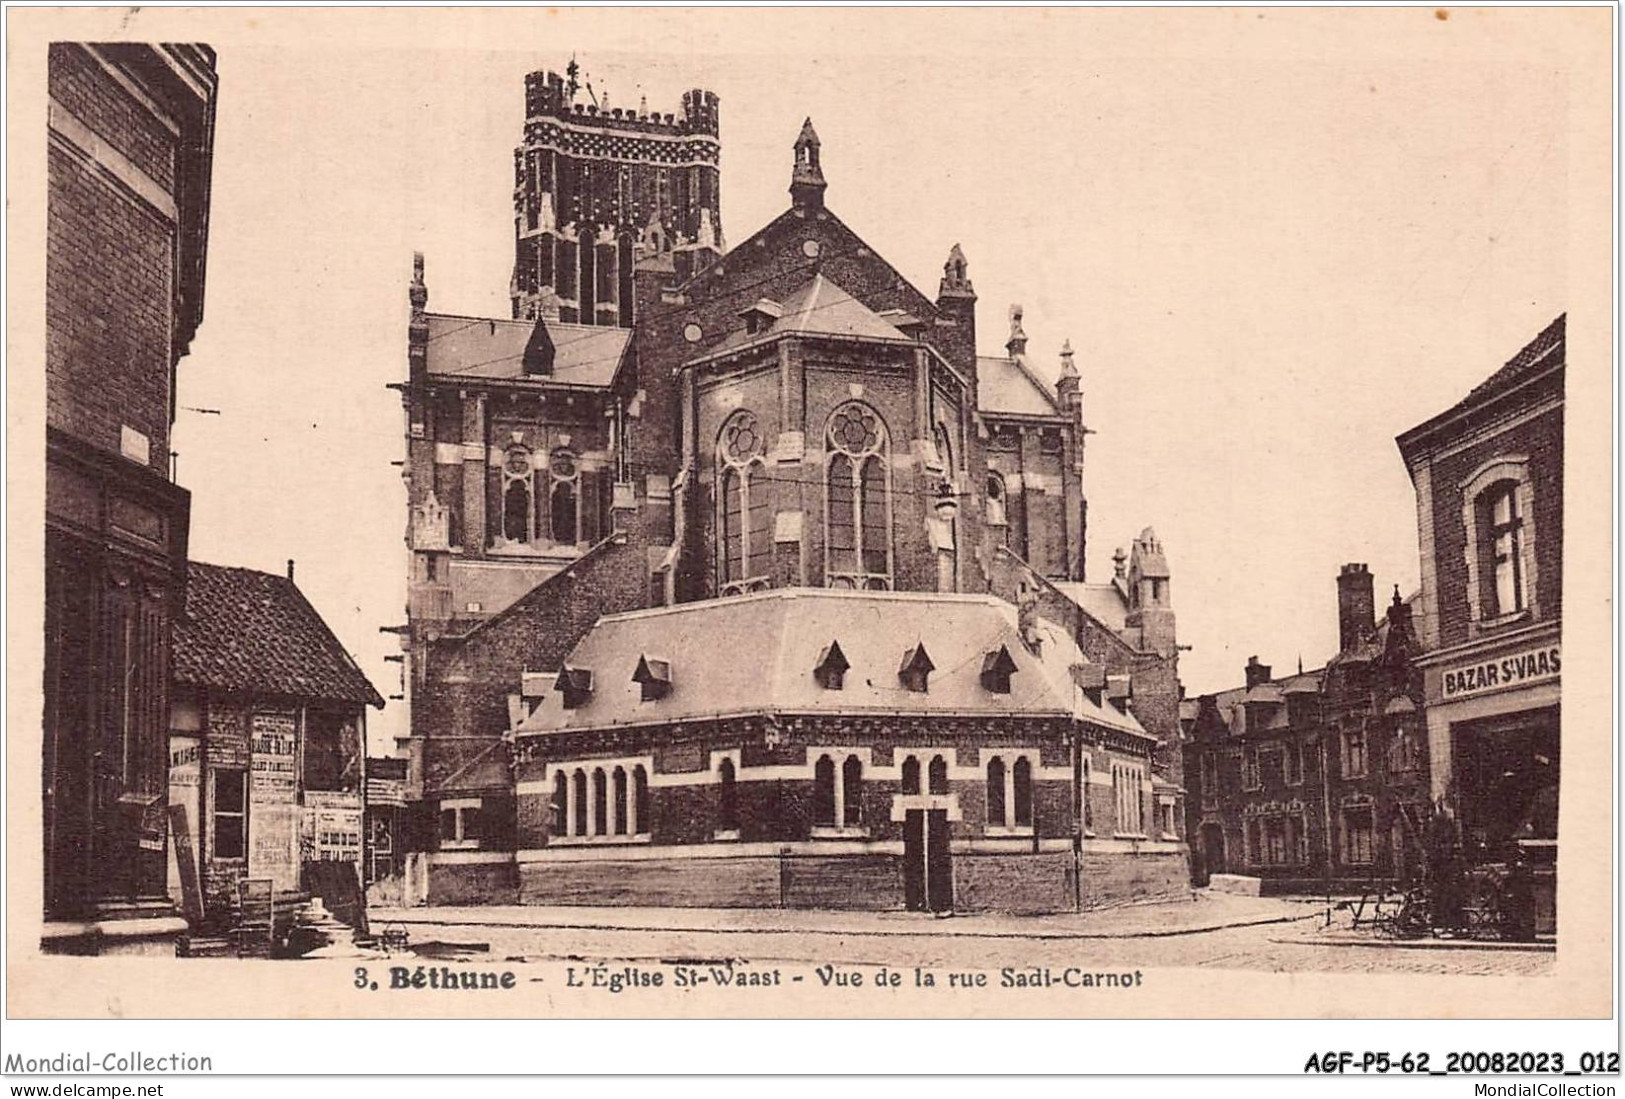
pixel 1242 933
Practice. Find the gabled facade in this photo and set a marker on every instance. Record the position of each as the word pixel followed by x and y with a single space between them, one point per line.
pixel 267 739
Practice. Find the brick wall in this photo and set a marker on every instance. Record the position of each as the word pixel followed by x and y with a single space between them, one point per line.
pixel 79 83
pixel 1541 439
pixel 109 274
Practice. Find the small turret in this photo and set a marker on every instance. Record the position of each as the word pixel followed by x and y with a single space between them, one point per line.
pixel 1150 600
pixel 807 177
pixel 955 282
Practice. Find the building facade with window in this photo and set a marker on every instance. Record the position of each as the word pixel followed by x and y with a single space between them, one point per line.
pixel 131 132
pixel 790 413
pixel 1489 498
pixel 1319 780
pixel 267 741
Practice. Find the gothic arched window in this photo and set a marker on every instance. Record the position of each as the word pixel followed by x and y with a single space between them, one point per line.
pixel 911 775
pixel 852 792
pixel 995 792
pixel 857 505
pixel 728 799
pixel 937 775
pixel 824 791
pixel 561 801
pixel 1022 775
pixel 622 807
pixel 564 497
pixel 518 501
pixel 744 508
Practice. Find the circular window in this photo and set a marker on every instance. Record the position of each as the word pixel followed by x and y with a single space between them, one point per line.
pixel 692 333
pixel 855 430
pixel 564 464
pixel 518 461
pixel 741 439
pixel 810 249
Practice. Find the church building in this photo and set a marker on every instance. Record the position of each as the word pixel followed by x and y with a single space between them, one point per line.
pixel 739 576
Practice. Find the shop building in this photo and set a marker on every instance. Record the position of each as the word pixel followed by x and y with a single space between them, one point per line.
pixel 1488 473
pixel 267 740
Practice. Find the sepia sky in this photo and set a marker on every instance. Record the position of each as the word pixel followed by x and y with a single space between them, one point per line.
pixel 1271 251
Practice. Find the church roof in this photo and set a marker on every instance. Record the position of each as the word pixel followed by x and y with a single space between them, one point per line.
pixel 1105 603
pixel 820 307
pixel 757 653
pixel 1009 386
pixel 494 350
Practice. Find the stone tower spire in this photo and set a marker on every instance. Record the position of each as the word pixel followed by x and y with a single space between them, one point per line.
pixel 807 178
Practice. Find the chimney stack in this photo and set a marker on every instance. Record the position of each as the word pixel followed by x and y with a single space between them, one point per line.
pixel 1356 606
pixel 1256 673
pixel 290 570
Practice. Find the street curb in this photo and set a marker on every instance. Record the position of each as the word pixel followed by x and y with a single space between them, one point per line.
pixel 936 929
pixel 1445 945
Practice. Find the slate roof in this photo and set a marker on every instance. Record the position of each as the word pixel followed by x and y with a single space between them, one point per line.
pixel 1009 386
pixel 255 633
pixel 756 653
pixel 1105 603
pixel 493 350
pixel 820 307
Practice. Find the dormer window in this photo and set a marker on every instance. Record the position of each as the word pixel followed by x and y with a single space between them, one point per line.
pixel 1091 679
pixel 997 667
pixel 831 669
pixel 760 316
pixel 574 686
pixel 654 676
pixel 1120 691
pixel 916 669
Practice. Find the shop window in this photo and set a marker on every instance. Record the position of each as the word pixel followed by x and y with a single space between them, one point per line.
pixel 727 798
pixel 230 813
pixel 1358 837
pixel 857 507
